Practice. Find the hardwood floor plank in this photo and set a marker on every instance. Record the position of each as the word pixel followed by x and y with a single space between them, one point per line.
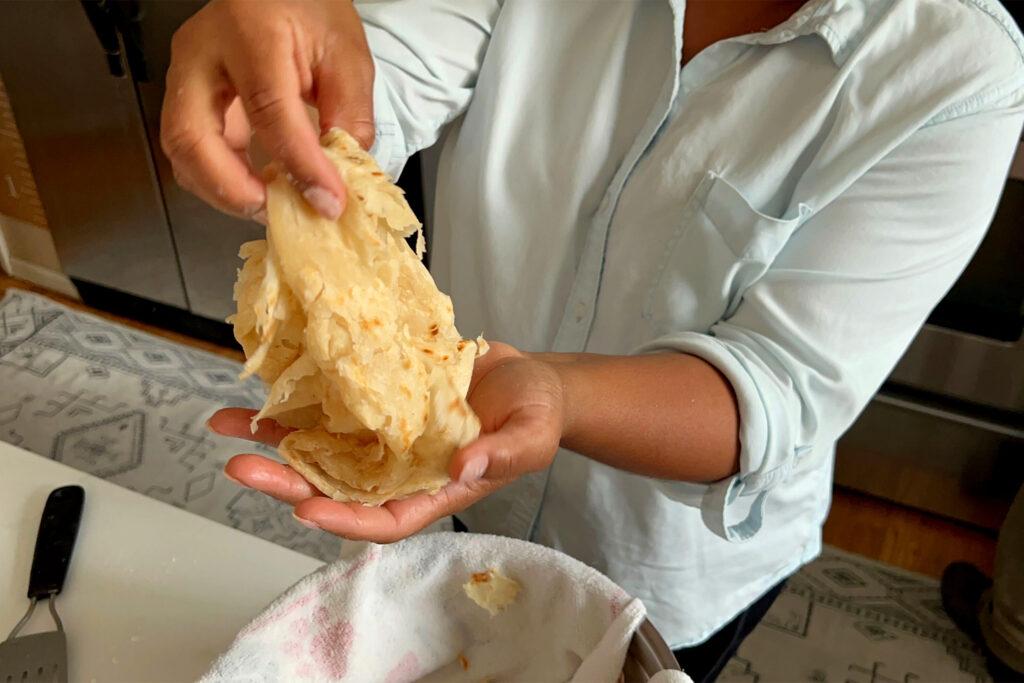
pixel 904 537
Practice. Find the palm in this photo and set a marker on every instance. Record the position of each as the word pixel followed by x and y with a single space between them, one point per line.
pixel 519 404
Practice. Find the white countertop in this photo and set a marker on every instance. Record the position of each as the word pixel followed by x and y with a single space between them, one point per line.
pixel 154 593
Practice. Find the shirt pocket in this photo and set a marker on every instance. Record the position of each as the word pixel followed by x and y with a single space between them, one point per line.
pixel 718 249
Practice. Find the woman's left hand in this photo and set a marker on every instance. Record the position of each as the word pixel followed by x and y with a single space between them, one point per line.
pixel 519 401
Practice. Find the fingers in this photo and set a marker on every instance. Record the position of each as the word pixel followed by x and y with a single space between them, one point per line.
pixel 388 523
pixel 349 520
pixel 392 521
pixel 272 94
pixel 344 81
pixel 346 101
pixel 237 131
pixel 236 422
pixel 270 477
pixel 344 92
pixel 192 137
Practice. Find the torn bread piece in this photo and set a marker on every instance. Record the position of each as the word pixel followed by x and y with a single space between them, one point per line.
pixel 492 590
pixel 359 347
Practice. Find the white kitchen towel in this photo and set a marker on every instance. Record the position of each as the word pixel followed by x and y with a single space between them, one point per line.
pixel 399 613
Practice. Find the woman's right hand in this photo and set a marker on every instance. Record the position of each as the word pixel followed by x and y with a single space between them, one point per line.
pixel 240 67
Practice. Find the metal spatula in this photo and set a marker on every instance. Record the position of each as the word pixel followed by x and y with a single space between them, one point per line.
pixel 44 656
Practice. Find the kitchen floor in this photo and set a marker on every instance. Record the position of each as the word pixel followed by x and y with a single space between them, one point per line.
pixel 860 524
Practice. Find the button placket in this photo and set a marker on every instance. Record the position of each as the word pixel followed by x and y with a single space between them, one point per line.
pixel 581 306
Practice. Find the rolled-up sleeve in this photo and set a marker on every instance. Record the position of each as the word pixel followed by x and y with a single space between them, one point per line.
pixel 427 54
pixel 814 338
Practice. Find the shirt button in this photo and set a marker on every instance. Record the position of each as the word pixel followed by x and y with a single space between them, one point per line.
pixel 580 310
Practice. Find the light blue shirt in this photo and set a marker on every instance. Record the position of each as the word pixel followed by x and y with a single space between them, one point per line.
pixel 788 206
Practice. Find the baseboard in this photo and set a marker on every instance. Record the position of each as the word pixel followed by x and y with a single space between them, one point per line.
pixel 156 314
pixel 27 252
pixel 5 254
pixel 53 280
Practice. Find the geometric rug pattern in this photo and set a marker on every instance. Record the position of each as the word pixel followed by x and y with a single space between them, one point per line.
pixel 847 619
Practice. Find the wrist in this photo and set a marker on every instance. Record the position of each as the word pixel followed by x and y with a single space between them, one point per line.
pixel 568 377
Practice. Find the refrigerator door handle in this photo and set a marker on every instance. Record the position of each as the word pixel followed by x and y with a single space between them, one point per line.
pixel 127 15
pixel 105 28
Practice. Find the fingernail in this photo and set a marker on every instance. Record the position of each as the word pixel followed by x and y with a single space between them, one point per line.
pixel 474 469
pixel 260 216
pixel 305 522
pixel 323 201
pixel 230 478
pixel 212 428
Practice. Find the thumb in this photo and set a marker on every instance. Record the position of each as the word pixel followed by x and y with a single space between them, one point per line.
pixel 525 443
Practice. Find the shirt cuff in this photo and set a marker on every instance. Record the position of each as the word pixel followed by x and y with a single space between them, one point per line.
pixel 734 507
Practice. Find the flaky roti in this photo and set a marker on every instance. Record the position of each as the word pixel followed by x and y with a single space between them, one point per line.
pixel 359 347
pixel 491 590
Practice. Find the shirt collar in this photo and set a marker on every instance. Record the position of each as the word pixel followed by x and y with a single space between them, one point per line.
pixel 839 23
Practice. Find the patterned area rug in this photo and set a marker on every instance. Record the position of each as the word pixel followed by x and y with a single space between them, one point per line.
pixel 131 407
pixel 847 619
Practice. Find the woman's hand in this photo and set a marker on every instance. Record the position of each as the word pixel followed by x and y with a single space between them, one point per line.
pixel 239 67
pixel 520 404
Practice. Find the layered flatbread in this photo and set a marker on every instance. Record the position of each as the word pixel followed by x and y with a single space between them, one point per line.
pixel 359 348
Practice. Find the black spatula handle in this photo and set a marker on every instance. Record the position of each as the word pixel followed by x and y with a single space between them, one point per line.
pixel 58 530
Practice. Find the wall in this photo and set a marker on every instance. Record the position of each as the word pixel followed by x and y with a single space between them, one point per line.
pixel 26 246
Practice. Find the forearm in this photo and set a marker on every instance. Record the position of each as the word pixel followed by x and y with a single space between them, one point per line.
pixel 671 416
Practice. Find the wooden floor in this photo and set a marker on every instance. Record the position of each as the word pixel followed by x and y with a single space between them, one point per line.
pixel 904 537
pixel 857 523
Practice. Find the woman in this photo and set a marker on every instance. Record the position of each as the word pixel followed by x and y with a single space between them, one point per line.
pixel 719 236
